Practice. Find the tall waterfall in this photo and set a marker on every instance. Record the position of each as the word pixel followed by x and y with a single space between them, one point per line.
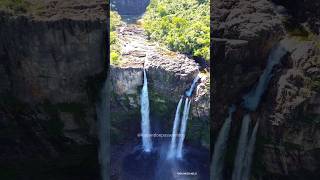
pixel 241 150
pixel 252 99
pixel 250 152
pixel 145 120
pixel 176 123
pixel 220 148
pixel 183 127
pixel 193 85
pixel 103 115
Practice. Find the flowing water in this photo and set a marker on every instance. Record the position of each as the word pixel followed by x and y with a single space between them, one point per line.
pixel 172 149
pixel 250 152
pixel 220 148
pixel 183 127
pixel 193 85
pixel 241 150
pixel 245 151
pixel 252 99
pixel 145 119
pixel 103 113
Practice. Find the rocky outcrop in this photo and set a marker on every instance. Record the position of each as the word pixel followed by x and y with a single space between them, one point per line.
pixel 255 21
pixel 306 11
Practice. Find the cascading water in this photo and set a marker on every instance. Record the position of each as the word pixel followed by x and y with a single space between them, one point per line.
pixel 193 85
pixel 241 150
pixel 220 148
pixel 183 127
pixel 176 123
pixel 250 152
pixel 174 150
pixel 145 120
pixel 242 164
pixel 252 99
pixel 103 114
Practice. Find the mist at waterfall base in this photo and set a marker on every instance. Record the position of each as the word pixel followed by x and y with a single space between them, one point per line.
pixel 168 158
pixel 246 142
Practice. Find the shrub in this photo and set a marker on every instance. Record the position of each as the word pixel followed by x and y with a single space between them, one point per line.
pixel 114 45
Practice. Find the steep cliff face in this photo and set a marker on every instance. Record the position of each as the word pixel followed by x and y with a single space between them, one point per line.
pixel 292 122
pixel 52 61
pixel 244 32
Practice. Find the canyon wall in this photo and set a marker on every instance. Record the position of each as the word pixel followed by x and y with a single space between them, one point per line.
pixel 52 62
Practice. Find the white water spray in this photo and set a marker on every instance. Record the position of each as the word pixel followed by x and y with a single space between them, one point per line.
pixel 176 123
pixel 220 148
pixel 145 119
pixel 183 127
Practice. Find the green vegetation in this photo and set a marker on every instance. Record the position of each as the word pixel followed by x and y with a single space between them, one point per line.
pixel 114 44
pixel 182 25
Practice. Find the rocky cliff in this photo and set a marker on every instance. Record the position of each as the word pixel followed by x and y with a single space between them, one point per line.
pixel 52 61
pixel 169 76
pixel 243 33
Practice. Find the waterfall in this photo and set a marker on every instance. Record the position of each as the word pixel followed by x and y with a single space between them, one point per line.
pixel 176 123
pixel 193 85
pixel 103 115
pixel 145 120
pixel 252 99
pixel 241 150
pixel 183 127
pixel 250 152
pixel 220 148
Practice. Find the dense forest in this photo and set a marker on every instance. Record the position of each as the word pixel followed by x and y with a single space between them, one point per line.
pixel 182 25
